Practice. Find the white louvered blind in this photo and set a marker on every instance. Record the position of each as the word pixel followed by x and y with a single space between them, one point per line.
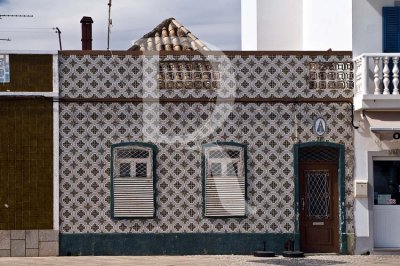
pixel 133 182
pixel 225 181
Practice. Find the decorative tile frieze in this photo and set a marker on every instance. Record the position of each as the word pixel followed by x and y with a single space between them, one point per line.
pixel 100 76
pixel 331 75
pixel 188 75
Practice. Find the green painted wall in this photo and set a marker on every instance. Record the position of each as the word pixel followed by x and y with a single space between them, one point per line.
pixel 169 244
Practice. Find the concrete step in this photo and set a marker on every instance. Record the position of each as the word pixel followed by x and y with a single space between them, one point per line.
pixel 386 251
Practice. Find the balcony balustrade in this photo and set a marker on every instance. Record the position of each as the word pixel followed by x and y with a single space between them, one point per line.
pixel 377 81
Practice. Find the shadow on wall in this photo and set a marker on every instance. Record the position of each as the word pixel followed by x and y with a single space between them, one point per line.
pixel 377 4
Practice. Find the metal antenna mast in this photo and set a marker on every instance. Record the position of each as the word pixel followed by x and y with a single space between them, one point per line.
pixel 109 25
pixel 17 16
pixel 59 36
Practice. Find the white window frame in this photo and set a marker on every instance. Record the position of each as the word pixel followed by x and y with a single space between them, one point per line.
pixel 133 196
pixel 237 187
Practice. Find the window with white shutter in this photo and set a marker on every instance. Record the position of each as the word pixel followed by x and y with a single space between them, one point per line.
pixel 224 179
pixel 133 174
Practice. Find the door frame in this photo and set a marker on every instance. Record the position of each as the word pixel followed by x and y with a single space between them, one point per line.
pixel 341 191
pixel 372 157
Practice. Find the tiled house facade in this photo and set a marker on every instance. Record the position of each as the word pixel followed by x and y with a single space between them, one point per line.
pixel 265 101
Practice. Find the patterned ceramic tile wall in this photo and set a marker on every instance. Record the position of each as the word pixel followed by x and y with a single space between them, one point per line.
pixel 270 130
pixel 241 76
pixel 178 129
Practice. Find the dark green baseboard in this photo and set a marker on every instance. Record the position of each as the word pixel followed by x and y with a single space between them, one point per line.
pixel 170 244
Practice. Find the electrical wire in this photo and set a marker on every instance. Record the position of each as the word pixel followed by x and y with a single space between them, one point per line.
pixel 25 28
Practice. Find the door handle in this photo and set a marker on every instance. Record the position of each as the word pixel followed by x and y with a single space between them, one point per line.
pixel 302 204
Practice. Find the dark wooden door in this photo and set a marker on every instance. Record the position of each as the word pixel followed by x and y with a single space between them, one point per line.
pixel 319 210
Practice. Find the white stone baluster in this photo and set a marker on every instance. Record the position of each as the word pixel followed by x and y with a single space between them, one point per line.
pixel 358 75
pixel 386 72
pixel 364 75
pixel 395 72
pixel 377 80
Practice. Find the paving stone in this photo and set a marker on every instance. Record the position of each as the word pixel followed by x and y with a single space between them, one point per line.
pixel 4 239
pixel 17 234
pixel 17 248
pixel 32 239
pixel 314 260
pixel 48 235
pixel 47 249
pixel 32 252
pixel 5 253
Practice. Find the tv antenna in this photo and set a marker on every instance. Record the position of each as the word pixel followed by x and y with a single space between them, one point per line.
pixel 57 30
pixel 17 16
pixel 14 16
pixel 109 25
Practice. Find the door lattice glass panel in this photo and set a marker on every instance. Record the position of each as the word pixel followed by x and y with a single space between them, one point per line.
pixel 318 193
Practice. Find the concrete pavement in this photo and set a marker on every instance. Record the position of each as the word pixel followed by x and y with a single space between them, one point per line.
pixel 206 260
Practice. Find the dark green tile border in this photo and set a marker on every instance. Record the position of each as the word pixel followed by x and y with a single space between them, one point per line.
pixel 169 244
pixel 342 188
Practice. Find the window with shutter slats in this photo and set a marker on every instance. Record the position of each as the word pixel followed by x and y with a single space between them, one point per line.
pixel 224 179
pixel 133 174
pixel 391 29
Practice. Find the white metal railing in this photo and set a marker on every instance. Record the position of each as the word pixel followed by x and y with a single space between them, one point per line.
pixel 377 74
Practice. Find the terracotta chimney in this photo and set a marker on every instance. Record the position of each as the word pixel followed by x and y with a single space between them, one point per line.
pixel 87 33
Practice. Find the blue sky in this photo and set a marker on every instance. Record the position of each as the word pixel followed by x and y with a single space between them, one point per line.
pixel 214 21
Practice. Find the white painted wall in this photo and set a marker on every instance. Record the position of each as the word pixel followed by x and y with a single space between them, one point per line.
pixel 365 142
pixel 249 25
pixel 279 25
pixel 367 25
pixel 327 24
pixel 296 25
pixel 56 150
pixel 313 25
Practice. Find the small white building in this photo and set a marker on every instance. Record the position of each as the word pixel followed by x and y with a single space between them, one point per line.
pixel 371 30
pixel 294 25
pixel 377 113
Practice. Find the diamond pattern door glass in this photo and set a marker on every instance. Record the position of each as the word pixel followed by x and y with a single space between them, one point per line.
pixel 318 193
